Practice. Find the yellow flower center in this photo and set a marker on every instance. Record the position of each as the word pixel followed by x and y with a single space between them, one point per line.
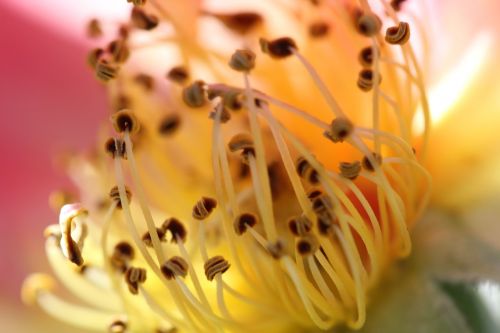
pixel 260 188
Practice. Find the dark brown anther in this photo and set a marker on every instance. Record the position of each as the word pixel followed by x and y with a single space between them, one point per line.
pixel 118 326
pixel 325 225
pixel 366 78
pixel 125 121
pixel 340 129
pixel 147 239
pixel 242 142
pixel 350 170
pixel 204 208
pixel 242 60
pixel 225 115
pixel 169 124
pixel 306 171
pixel 178 74
pixel 215 265
pixel 318 29
pixel 365 57
pixel 300 225
pixel 276 249
pixel 278 48
pixel 176 229
pixel 322 205
pixel 368 24
pixel 367 164
pixel 399 34
pixel 397 4
pixel 105 71
pixel 133 277
pixel 114 194
pixel 244 221
pixel 94 56
pixel 137 2
pixel 123 254
pixel 175 266
pixel 233 100
pixel 146 81
pixel 124 31
pixel 314 193
pixel 142 20
pixel 116 148
pixel 241 23
pixel 307 245
pixel 119 51
pixel 94 29
pixel 194 94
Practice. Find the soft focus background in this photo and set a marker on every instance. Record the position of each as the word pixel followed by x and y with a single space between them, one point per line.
pixel 50 102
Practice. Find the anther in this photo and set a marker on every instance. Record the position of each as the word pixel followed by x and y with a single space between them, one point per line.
pixel 278 48
pixel 367 164
pixel 307 245
pixel 276 249
pixel 94 29
pixel 242 142
pixel 121 102
pixel 105 70
pixel 368 24
pixel 142 20
pixel 114 194
pixel 133 277
pixel 365 79
pixel 73 232
pixel 169 124
pixel 204 208
pixel 175 266
pixel 116 148
pixel 123 254
pixel 119 51
pixel 225 115
pixel 300 225
pixel 365 57
pixel 194 94
pixel 314 193
pixel 325 225
pixel 244 221
pixel 340 129
pixel 242 60
pixel 306 171
pixel 215 265
pixel 146 238
pixel 178 74
pixel 94 56
pixel 399 34
pixel 118 326
pixel 137 2
pixel 146 81
pixel 176 229
pixel 322 205
pixel 54 231
pixel 318 29
pixel 241 23
pixel 397 4
pixel 350 170
pixel 125 121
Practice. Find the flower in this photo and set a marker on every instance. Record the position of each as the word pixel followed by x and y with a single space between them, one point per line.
pixel 297 231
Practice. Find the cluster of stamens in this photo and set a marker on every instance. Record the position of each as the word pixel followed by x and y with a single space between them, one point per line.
pixel 303 243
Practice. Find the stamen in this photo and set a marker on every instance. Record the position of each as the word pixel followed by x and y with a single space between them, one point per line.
pixel 319 29
pixel 215 266
pixel 398 35
pixel 94 56
pixel 366 79
pixel 368 24
pixel 366 56
pixel 118 326
pixel 276 249
pixel 137 2
pixel 119 51
pixel 133 277
pixel 350 170
pixel 142 20
pixel 104 70
pixel 116 148
pixel 242 60
pixel 125 121
pixel 278 48
pixel 73 232
pixel 305 171
pixel 204 208
pixel 340 129
pixel 146 238
pixel 169 125
pixel 178 74
pixel 244 221
pixel 175 266
pixel 123 254
pixel 367 164
pixel 307 245
pixel 176 229
pixel 300 225
pixel 94 29
pixel 194 94
pixel 146 81
pixel 241 23
pixel 397 4
pixel 114 194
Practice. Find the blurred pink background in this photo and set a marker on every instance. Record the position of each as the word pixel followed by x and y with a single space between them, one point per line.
pixel 49 102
